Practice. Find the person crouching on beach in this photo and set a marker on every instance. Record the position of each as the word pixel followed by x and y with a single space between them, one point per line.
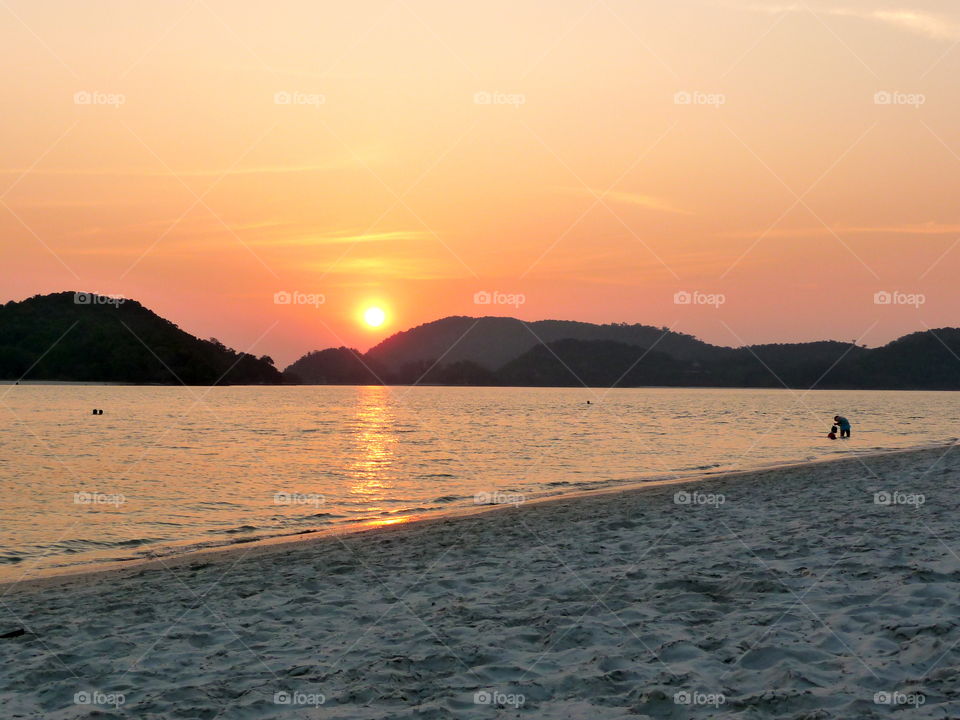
pixel 844 426
pixel 833 433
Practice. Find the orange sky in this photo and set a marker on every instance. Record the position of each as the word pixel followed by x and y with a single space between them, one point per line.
pixel 595 158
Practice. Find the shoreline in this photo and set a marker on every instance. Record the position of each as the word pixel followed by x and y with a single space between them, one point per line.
pixel 799 388
pixel 410 524
pixel 823 589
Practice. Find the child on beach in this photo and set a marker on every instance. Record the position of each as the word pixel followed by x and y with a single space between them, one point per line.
pixel 844 426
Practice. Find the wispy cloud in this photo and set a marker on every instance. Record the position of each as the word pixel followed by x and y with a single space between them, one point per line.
pixel 187 172
pixel 931 25
pixel 265 234
pixel 650 202
pixel 927 228
pixel 425 267
pixel 918 22
pixel 340 238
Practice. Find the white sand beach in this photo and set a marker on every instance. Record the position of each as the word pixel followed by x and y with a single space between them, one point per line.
pixel 829 590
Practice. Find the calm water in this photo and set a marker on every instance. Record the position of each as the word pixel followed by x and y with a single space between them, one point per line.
pixel 168 469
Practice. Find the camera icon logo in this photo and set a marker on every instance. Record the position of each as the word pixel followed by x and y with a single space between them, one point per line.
pixel 482 297
pixel 682 98
pixel 682 298
pixel 681 497
pixel 882 297
pixel 483 697
pixel 882 498
pixel 883 98
pixel 282 298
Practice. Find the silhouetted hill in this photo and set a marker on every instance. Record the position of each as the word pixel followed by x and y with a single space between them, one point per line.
pixel 477 351
pixel 928 360
pixel 336 366
pixel 796 365
pixel 597 363
pixel 57 337
pixel 491 342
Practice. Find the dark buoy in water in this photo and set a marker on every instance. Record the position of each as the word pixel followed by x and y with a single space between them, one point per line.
pixel 589 403
pixel 96 412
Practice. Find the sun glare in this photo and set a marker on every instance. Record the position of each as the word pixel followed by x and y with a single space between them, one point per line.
pixel 374 316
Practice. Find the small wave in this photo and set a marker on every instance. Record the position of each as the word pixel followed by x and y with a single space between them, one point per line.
pixel 448 498
pixel 79 545
pixel 234 530
pixel 437 475
pixel 137 542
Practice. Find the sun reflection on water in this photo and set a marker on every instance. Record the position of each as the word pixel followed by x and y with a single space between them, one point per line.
pixel 374 440
pixel 382 522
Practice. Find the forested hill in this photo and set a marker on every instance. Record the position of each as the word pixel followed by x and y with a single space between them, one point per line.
pixel 491 342
pixel 72 336
pixel 507 351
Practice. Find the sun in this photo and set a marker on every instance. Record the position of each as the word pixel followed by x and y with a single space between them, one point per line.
pixel 374 316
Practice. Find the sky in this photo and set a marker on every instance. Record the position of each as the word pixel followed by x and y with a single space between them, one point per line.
pixel 263 173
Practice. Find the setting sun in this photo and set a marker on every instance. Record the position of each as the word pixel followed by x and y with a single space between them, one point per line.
pixel 374 316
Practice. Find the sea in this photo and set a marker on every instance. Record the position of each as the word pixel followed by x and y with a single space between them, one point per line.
pixel 170 470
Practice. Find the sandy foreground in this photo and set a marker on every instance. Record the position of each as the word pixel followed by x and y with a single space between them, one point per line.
pixel 830 590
